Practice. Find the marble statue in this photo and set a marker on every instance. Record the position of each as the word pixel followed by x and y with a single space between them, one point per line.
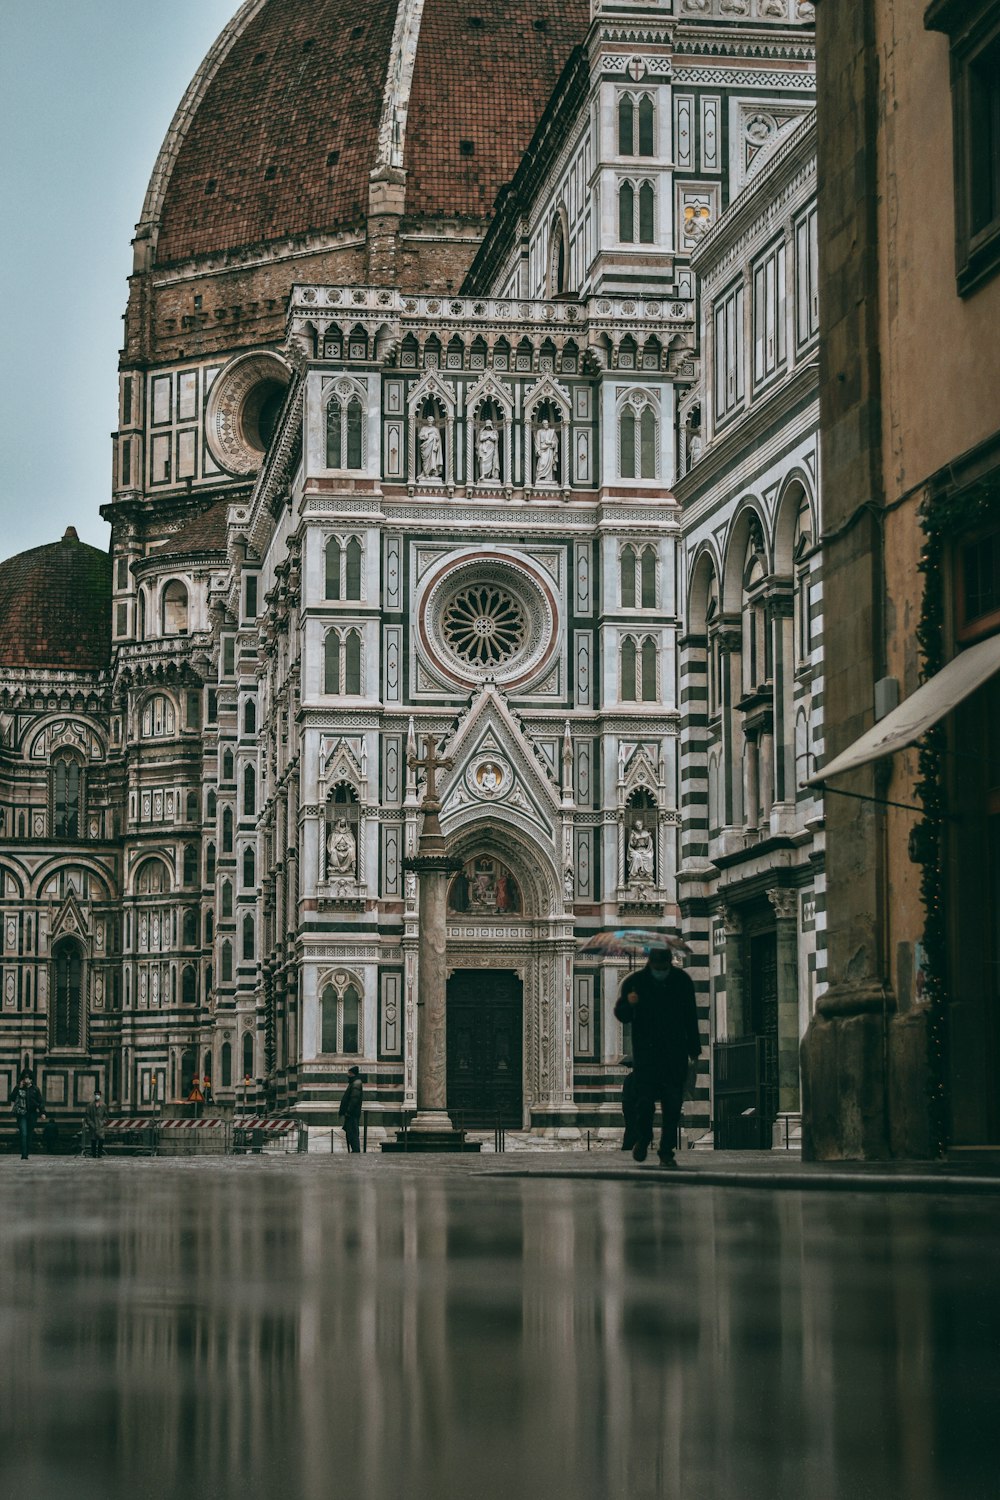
pixel 341 849
pixel 431 454
pixel 488 451
pixel 546 453
pixel 640 855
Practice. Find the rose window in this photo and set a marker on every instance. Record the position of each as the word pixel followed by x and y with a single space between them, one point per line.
pixel 484 625
pixel 487 615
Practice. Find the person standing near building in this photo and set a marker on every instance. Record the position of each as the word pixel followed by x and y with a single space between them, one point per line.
pixel 95 1118
pixel 658 1002
pixel 350 1109
pixel 26 1107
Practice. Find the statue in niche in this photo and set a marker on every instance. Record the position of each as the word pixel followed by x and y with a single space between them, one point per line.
pixel 342 851
pixel 640 855
pixel 569 884
pixel 488 451
pixel 546 453
pixel 695 448
pixel 431 453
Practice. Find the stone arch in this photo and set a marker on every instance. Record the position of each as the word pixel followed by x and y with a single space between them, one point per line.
pixel 501 838
pixel 704 567
pixel 749 514
pixel 796 489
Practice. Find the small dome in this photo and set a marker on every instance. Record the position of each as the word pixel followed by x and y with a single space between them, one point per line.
pixel 55 607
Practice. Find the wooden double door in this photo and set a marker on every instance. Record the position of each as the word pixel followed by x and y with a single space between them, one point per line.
pixel 485 1030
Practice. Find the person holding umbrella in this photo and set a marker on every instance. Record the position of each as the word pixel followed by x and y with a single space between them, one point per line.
pixel 658 1002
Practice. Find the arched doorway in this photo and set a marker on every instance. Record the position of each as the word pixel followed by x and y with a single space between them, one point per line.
pixel 509 950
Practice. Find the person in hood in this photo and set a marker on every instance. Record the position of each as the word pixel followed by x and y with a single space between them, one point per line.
pixel 350 1109
pixel 658 1002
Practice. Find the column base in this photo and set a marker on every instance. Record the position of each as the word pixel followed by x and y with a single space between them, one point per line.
pixel 431 1119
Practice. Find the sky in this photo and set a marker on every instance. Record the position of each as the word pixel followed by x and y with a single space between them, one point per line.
pixel 87 91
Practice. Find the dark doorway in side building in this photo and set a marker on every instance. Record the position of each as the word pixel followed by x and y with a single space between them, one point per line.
pixel 485 1020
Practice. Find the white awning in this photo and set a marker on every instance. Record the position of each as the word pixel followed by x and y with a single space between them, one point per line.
pixel 922 709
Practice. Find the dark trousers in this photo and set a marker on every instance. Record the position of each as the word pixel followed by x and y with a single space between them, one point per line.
pixel 97 1145
pixel 353 1133
pixel 25 1126
pixel 630 1089
pixel 649 1093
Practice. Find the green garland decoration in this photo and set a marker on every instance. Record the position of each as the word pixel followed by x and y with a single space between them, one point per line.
pixel 943 519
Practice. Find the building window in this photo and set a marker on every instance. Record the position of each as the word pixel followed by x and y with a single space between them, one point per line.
pixel 638 670
pixel 175 609
pixel 636 213
pixel 345 433
pixel 249 869
pixel 343 663
pixel 209 863
pixel 226 964
pixel 249 717
pixel 226 898
pixel 627 572
pixel 67 995
pixel 247 1055
pixel 343 568
pixel 190 865
pixel 248 938
pixel 973 27
pixel 67 788
pixel 635 125
pixel 226 1065
pixel 250 612
pixel 158 718
pixel 730 385
pixel 769 341
pixel 227 830
pixel 637 437
pixel 189 985
pixel 340 1017
pixel 806 278
pixel 249 791
pixel 977 589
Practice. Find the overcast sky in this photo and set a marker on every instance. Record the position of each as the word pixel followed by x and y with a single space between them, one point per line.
pixel 87 91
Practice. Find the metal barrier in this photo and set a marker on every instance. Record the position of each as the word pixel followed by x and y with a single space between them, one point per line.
pixel 260 1133
pixel 500 1136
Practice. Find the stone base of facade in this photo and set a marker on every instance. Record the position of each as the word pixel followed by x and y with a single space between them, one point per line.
pixel 865 1077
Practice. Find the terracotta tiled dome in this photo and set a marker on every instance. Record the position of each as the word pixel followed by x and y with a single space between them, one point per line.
pixel 280 130
pixel 55 607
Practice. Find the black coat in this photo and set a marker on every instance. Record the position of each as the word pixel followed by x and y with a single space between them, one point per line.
pixel 32 1101
pixel 350 1104
pixel 665 1036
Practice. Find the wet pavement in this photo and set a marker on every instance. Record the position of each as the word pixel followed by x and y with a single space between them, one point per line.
pixel 473 1328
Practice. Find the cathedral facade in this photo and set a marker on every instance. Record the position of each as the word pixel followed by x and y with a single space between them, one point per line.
pixel 398 457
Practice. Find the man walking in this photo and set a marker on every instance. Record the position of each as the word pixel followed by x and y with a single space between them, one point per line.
pixel 26 1106
pixel 350 1109
pixel 658 1001
pixel 95 1118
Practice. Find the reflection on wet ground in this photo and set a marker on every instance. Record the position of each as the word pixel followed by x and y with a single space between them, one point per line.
pixel 332 1327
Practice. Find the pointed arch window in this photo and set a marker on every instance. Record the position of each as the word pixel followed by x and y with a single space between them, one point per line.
pixel 67 798
pixel 67 995
pixel 626 213
pixel 249 791
pixel 226 962
pixel 344 568
pixel 343 663
pixel 648 670
pixel 248 1055
pixel 226 898
pixel 636 125
pixel 226 1065
pixel 340 1017
pixel 647 214
pixel 189 985
pixel 629 664
pixel 189 938
pixel 249 717
pixel 249 868
pixel 638 437
pixel 345 432
pixel 190 865
pixel 249 938
pixel 627 577
pixel 227 830
pixel 647 578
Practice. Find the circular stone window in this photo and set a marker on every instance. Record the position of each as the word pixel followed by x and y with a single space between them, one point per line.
pixel 488 616
pixel 243 411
